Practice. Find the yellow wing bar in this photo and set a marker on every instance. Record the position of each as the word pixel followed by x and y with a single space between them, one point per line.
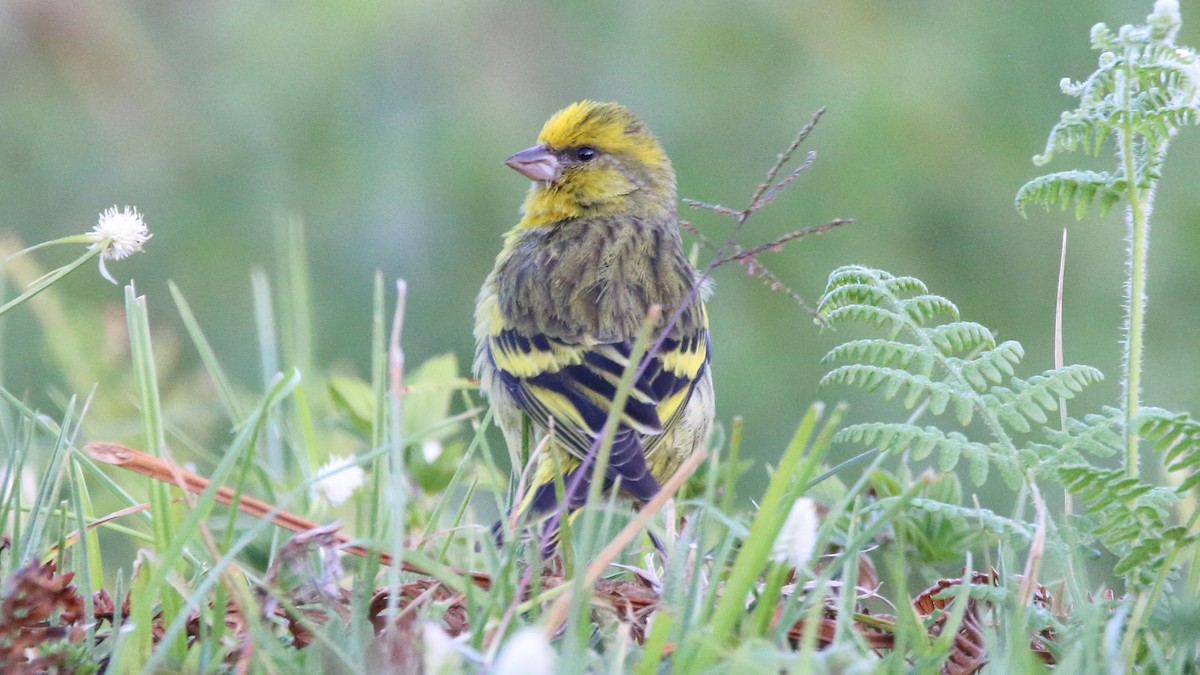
pixel 575 384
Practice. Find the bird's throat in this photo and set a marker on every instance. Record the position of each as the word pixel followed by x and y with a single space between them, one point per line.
pixel 544 206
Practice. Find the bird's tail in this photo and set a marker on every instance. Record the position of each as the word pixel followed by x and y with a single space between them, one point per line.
pixel 541 513
pixel 541 505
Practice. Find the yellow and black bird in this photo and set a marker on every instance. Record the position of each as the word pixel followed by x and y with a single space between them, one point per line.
pixel 597 245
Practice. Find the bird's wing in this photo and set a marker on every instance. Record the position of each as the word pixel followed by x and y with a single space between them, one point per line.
pixel 574 385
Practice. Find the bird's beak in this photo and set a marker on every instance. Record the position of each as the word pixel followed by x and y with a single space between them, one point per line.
pixel 536 163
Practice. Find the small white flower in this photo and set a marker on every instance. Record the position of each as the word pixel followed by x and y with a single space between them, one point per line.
pixel 441 655
pixel 431 449
pixel 337 480
pixel 798 537
pixel 527 652
pixel 120 234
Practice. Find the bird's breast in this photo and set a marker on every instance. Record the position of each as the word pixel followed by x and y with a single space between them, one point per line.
pixel 592 279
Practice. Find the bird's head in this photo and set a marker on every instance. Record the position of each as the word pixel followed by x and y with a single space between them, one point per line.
pixel 594 159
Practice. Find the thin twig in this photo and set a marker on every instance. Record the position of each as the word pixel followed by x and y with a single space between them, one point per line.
pixel 763 195
pixel 757 269
pixel 745 254
pixel 1037 548
pixel 715 208
pixel 71 537
pixel 161 470
pixel 742 216
pixel 770 195
pixel 784 158
pixel 1058 351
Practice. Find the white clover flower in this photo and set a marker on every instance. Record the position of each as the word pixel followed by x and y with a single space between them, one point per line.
pixel 441 655
pixel 338 479
pixel 527 652
pixel 120 234
pixel 431 449
pixel 798 537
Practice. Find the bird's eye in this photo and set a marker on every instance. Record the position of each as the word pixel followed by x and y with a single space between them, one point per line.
pixel 586 153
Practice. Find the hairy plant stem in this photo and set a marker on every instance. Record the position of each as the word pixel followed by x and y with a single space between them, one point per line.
pixel 1137 216
pixel 1135 324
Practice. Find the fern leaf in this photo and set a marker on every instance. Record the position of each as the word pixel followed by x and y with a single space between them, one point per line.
pixel 843 293
pixel 868 314
pixel 902 285
pixel 931 355
pixel 1097 434
pixel 990 367
pixel 921 441
pixel 1101 435
pixel 1073 131
pixel 1009 465
pixel 859 285
pixel 924 309
pixel 1030 399
pixel 1149 554
pixel 964 410
pixel 1143 90
pixel 1178 437
pixel 987 520
pixel 1064 188
pixel 856 284
pixel 893 380
pixel 882 352
pixel 1131 516
pixel 961 336
pixel 977 469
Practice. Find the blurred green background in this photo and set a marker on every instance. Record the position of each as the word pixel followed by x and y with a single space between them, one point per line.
pixel 383 125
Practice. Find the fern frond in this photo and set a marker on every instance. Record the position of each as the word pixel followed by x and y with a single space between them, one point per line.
pixel 1064 188
pixel 1073 131
pixel 882 352
pixel 961 336
pixel 1174 116
pixel 871 315
pixel 1149 554
pixel 988 520
pixel 892 381
pixel 859 285
pixel 859 294
pixel 902 285
pixel 1131 515
pixel 923 441
pixel 1144 88
pixel 1098 434
pixel 923 309
pixel 1178 437
pixel 955 365
pixel 1031 399
pixel 991 366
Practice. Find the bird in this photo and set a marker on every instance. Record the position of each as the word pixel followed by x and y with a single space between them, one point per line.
pixel 597 245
